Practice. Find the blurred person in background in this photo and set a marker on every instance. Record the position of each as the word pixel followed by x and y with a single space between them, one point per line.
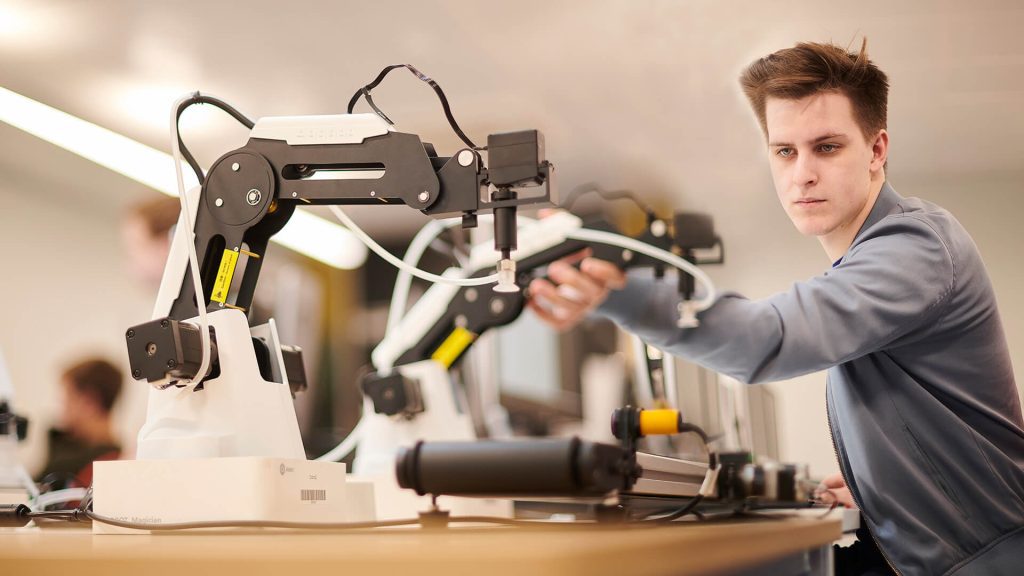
pixel 146 234
pixel 85 432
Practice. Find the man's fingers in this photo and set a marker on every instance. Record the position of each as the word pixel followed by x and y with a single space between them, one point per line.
pixel 566 275
pixel 834 481
pixel 844 497
pixel 564 303
pixel 604 272
pixel 549 317
pixel 571 294
pixel 577 256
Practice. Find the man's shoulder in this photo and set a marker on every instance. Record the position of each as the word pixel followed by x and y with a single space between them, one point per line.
pixel 931 225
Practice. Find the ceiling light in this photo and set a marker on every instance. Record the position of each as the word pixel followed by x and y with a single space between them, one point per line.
pixel 305 233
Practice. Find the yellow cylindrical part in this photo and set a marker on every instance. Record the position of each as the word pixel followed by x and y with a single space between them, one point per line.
pixel 655 422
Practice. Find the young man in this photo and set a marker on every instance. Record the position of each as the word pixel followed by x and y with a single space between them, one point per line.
pixel 86 433
pixel 921 398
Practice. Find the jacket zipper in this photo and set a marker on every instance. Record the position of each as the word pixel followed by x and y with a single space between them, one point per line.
pixel 853 493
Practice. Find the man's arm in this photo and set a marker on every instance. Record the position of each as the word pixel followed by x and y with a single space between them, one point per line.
pixel 895 280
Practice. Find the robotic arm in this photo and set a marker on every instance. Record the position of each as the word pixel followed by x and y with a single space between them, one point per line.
pixel 250 193
pixel 240 404
pixel 447 320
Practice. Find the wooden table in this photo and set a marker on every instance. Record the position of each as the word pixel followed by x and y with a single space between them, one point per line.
pixel 681 548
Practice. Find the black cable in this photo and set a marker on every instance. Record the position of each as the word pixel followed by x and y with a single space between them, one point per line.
pixel 687 427
pixel 690 506
pixel 55 515
pixel 369 100
pixel 198 98
pixel 365 92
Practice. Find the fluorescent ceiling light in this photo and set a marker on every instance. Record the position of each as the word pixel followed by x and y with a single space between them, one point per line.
pixel 305 233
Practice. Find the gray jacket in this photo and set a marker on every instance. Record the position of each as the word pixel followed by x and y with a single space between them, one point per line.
pixel 921 398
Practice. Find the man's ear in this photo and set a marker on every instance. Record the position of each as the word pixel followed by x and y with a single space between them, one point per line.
pixel 880 150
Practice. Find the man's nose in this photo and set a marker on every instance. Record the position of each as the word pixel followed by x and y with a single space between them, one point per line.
pixel 806 170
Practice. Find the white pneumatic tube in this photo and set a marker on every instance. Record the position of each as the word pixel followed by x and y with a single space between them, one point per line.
pixel 394 261
pixel 193 259
pixel 350 442
pixel 417 247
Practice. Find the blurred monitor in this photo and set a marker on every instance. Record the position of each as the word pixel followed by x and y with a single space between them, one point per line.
pixel 742 416
pixel 539 370
pixel 763 428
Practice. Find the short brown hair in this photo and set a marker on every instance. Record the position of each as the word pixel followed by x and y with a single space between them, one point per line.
pixel 159 214
pixel 96 378
pixel 809 68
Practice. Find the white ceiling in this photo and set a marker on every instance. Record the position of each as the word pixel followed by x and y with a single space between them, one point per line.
pixel 629 94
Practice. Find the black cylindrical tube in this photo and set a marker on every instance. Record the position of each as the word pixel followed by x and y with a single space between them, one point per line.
pixel 538 467
pixel 505 239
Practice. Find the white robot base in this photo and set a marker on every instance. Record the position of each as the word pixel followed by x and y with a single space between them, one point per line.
pixel 230 451
pixel 227 489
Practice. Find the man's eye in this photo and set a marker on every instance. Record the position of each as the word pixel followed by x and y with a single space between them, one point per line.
pixel 785 152
pixel 827 148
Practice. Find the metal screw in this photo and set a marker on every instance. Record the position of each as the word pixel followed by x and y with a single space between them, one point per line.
pixel 627 255
pixel 497 306
pixel 164 323
pixel 295 194
pixel 136 373
pixel 219 202
pixel 461 321
pixel 373 193
pixel 465 158
pixel 471 295
pixel 424 196
pixel 171 363
pixel 131 333
pixel 235 166
pixel 253 197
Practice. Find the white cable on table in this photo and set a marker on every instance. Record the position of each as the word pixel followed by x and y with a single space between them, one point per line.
pixel 41 501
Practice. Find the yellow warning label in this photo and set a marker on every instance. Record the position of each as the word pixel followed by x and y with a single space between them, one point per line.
pixel 224 274
pixel 453 346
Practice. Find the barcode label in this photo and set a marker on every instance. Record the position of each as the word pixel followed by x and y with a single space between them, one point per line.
pixel 313 495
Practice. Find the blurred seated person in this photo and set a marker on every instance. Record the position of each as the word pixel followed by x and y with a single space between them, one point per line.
pixel 85 434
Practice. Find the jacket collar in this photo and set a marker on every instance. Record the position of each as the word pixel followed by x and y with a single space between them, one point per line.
pixel 887 200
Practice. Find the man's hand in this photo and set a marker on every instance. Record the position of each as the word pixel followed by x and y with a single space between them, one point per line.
pixel 833 489
pixel 573 293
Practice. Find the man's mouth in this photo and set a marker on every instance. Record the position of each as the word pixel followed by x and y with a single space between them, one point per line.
pixel 808 201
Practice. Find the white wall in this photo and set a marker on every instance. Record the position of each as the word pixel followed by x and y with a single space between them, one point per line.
pixel 64 294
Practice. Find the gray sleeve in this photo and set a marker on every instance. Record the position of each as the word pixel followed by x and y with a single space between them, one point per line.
pixel 893 281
